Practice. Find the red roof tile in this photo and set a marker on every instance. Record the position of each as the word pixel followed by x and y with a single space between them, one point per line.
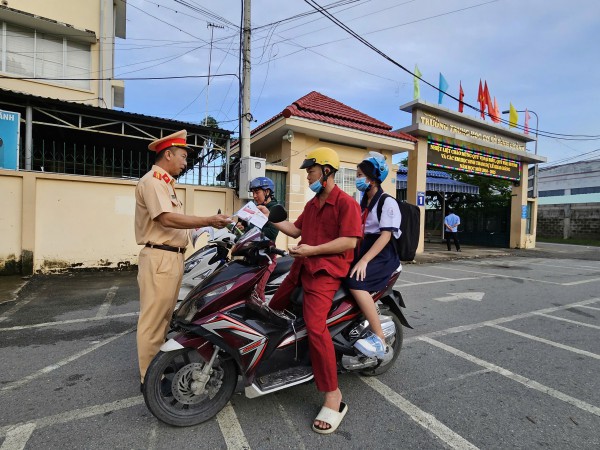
pixel 320 108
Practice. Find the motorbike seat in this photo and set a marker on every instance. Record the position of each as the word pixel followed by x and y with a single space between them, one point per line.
pixel 283 266
pixel 297 297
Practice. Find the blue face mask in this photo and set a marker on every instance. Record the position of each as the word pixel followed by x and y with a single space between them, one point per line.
pixel 316 186
pixel 362 185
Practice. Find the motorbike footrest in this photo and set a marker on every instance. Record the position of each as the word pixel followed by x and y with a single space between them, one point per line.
pixel 283 377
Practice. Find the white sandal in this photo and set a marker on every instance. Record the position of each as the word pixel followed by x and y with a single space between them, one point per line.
pixel 330 416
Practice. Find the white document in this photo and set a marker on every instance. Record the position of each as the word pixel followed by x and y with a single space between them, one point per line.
pixel 251 214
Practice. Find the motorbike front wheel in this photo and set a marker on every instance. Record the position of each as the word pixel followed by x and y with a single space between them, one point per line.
pixel 174 390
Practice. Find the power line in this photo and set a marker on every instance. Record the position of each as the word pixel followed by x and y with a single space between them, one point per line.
pixel 362 40
pixel 175 77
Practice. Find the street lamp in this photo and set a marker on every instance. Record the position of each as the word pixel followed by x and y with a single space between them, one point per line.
pixel 535 167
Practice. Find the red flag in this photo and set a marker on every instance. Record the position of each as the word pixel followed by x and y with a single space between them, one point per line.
pixel 488 99
pixel 461 96
pixel 527 117
pixel 481 100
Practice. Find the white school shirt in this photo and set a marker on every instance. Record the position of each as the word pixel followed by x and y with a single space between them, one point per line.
pixel 390 218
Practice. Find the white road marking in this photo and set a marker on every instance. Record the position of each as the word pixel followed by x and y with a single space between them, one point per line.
pixel 9 312
pixel 499 275
pixel 518 378
pixel 66 322
pixel 474 326
pixel 426 420
pixel 476 296
pixel 231 429
pixel 78 414
pixel 449 280
pixel 63 362
pixel 591 268
pixel 17 437
pixel 573 283
pixel 110 295
pixel 426 275
pixel 591 307
pixel 548 342
pixel 153 438
pixel 583 324
pixel 290 423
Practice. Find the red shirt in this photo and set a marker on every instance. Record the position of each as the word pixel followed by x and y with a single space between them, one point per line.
pixel 339 217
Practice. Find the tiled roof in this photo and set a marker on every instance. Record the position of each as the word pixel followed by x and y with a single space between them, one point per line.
pixel 318 107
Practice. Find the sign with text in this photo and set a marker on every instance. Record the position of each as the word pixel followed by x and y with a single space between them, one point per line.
pixel 463 159
pixel 420 198
pixel 9 139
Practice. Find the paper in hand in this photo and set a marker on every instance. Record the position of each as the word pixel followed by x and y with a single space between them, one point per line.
pixel 251 214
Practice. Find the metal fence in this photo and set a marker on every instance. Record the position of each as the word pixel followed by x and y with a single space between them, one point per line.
pixel 205 167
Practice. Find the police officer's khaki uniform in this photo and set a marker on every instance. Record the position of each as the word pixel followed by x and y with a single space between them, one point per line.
pixel 159 271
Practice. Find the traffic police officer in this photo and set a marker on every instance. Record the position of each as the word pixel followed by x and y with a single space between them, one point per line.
pixel 162 228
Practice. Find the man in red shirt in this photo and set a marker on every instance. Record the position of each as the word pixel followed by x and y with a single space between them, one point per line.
pixel 329 226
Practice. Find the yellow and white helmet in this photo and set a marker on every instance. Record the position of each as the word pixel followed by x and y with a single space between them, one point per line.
pixel 322 156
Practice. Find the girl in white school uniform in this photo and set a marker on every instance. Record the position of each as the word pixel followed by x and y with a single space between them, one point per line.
pixel 376 259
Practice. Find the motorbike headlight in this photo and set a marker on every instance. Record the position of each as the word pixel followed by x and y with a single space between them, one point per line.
pixel 189 309
pixel 217 291
pixel 203 275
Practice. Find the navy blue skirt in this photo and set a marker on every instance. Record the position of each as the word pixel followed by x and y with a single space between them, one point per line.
pixel 379 268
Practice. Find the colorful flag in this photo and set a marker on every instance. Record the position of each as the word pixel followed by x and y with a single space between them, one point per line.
pixel 488 99
pixel 461 96
pixel 417 89
pixel 481 100
pixel 443 88
pixel 527 117
pixel 513 117
pixel 496 116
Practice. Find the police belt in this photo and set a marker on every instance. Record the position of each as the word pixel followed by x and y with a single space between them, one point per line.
pixel 167 248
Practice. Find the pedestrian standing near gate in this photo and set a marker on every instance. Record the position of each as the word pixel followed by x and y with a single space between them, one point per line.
pixel 162 228
pixel 451 223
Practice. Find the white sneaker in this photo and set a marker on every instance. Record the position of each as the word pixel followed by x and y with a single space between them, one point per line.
pixel 371 346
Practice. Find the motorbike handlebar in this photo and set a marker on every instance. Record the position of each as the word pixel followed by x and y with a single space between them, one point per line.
pixel 277 251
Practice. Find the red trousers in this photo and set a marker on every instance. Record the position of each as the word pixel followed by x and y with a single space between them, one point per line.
pixel 319 290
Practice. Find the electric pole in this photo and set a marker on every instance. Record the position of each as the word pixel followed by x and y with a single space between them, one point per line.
pixel 246 116
pixel 212 27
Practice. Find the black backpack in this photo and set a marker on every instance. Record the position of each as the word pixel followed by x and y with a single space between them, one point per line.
pixel 410 227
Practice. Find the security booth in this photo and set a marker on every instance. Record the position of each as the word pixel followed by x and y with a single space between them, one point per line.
pixel 457 142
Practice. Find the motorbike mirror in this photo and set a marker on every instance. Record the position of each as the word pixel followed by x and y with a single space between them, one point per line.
pixel 277 214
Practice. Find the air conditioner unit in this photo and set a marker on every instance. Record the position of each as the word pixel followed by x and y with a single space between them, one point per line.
pixel 250 168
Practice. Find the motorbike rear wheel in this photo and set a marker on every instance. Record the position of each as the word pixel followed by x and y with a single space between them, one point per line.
pixel 396 344
pixel 169 387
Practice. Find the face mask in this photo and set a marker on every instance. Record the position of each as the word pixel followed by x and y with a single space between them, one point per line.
pixel 362 185
pixel 316 186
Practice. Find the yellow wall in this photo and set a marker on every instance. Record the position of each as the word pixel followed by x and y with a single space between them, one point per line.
pixel 81 222
pixel 83 15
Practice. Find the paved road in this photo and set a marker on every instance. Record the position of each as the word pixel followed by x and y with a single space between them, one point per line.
pixel 505 353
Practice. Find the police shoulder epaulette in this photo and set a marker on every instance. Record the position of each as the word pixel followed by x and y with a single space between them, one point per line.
pixel 162 176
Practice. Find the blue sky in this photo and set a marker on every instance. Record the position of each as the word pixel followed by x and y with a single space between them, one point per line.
pixel 538 54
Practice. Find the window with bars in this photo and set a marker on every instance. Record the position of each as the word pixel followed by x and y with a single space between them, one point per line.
pixel 346 180
pixel 29 53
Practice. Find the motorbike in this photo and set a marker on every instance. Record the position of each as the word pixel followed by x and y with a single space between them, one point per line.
pixel 224 329
pixel 207 259
pixel 214 254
